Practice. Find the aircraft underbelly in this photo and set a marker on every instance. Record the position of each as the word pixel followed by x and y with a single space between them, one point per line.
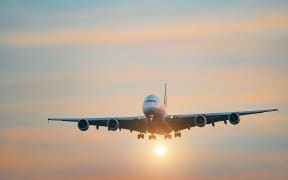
pixel 158 126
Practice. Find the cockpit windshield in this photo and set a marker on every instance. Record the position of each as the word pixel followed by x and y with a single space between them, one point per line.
pixel 150 100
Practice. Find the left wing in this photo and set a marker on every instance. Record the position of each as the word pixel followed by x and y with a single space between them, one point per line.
pixel 132 123
pixel 186 121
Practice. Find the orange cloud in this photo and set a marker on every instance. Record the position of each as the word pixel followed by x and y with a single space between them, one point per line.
pixel 34 152
pixel 169 31
pixel 43 135
pixel 38 152
pixel 255 89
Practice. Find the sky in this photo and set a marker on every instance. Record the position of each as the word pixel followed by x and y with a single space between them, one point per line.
pixel 101 58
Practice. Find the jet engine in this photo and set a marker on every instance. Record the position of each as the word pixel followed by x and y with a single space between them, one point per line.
pixel 200 121
pixel 83 124
pixel 234 118
pixel 113 124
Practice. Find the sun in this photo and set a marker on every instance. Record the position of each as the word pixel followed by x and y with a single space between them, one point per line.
pixel 160 150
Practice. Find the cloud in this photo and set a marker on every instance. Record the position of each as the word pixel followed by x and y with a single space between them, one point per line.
pixel 46 152
pixel 49 152
pixel 41 135
pixel 120 35
pixel 33 100
pixel 254 85
pixel 212 61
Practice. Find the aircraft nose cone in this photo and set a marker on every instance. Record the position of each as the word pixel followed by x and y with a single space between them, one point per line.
pixel 151 109
pixel 148 109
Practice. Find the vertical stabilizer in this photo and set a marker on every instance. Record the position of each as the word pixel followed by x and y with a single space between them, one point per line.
pixel 165 95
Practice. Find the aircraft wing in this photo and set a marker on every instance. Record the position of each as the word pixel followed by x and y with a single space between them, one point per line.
pixel 133 123
pixel 176 122
pixel 186 121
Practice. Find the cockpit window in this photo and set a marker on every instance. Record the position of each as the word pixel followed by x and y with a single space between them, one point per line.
pixel 150 100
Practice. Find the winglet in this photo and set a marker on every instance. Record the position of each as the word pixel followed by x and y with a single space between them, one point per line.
pixel 272 110
pixel 165 95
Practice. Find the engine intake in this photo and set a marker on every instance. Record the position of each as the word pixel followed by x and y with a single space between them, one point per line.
pixel 234 118
pixel 200 121
pixel 83 124
pixel 113 124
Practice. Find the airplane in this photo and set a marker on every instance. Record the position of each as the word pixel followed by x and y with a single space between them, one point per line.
pixel 157 121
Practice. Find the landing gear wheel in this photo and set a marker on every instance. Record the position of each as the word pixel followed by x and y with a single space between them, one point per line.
pixel 140 136
pixel 153 137
pixel 167 136
pixel 177 134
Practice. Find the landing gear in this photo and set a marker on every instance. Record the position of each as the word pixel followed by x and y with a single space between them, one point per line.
pixel 177 134
pixel 140 136
pixel 167 136
pixel 153 137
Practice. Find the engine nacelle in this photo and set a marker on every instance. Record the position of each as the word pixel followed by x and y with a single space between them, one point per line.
pixel 200 121
pixel 113 124
pixel 234 118
pixel 83 124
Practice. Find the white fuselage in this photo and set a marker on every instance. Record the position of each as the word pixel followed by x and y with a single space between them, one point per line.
pixel 153 107
pixel 155 113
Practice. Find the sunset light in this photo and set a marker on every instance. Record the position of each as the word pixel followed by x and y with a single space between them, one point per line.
pixel 160 150
pixel 143 89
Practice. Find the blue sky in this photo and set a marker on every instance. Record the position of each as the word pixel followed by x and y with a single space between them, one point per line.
pixel 101 58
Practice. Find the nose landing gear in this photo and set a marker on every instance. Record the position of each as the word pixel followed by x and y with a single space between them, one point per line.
pixel 167 136
pixel 153 137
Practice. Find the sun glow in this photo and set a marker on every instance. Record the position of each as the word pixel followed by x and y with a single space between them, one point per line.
pixel 160 150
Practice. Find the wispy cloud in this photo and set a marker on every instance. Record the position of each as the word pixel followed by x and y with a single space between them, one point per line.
pixel 84 59
pixel 119 35
pixel 62 94
pixel 49 152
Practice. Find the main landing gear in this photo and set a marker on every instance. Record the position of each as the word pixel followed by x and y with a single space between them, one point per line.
pixel 177 134
pixel 153 137
pixel 141 136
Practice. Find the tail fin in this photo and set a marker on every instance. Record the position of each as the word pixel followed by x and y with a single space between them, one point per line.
pixel 165 95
